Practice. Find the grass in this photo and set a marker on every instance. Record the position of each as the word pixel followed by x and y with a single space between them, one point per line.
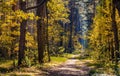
pixel 67 55
pixel 6 65
pixel 100 68
pixel 58 59
pixel 55 61
pixel 7 68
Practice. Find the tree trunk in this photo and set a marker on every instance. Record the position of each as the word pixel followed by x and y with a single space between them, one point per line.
pixel 115 31
pixel 70 42
pixel 41 12
pixel 22 40
pixel 47 35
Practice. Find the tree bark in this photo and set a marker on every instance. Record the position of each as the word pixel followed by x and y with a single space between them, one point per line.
pixel 41 12
pixel 22 40
pixel 47 35
pixel 70 42
pixel 115 31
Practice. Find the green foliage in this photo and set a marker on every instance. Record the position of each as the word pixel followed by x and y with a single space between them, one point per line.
pixel 76 44
pixel 58 59
pixel 26 62
pixel 57 13
pixel 101 31
pixel 31 57
pixel 9 26
pixel 61 50
pixel 102 36
pixel 31 44
pixel 67 55
pixel 9 30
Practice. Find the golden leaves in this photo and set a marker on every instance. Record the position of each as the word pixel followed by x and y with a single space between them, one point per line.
pixel 10 2
pixel 57 10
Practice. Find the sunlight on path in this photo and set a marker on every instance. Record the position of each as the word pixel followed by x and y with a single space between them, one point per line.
pixel 70 68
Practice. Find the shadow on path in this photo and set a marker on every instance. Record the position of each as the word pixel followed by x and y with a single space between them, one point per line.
pixel 69 68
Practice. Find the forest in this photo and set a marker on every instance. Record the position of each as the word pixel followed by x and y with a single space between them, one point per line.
pixel 59 38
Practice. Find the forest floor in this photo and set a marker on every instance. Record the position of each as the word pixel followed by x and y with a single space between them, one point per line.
pixel 72 67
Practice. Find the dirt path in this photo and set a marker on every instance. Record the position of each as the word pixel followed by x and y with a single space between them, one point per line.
pixel 70 68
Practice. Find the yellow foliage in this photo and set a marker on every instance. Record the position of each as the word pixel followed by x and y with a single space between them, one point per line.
pixel 101 30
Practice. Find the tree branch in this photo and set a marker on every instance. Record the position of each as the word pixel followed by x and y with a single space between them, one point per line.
pixel 42 2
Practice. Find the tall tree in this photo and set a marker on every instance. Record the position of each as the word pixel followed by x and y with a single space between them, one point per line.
pixel 41 13
pixel 115 30
pixel 70 43
pixel 21 54
pixel 101 34
pixel 104 36
pixel 58 15
pixel 9 22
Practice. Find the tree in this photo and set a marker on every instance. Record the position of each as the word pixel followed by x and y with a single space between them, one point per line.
pixel 58 17
pixel 9 22
pixel 22 40
pixel 101 30
pixel 41 13
pixel 70 44
pixel 115 30
pixel 104 36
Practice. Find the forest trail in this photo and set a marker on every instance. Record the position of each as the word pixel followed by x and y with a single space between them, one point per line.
pixel 72 67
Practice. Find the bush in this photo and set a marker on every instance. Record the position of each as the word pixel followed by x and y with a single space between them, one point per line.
pixel 26 62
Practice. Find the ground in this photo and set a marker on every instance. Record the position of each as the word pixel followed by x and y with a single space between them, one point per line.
pixel 69 68
pixel 72 67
